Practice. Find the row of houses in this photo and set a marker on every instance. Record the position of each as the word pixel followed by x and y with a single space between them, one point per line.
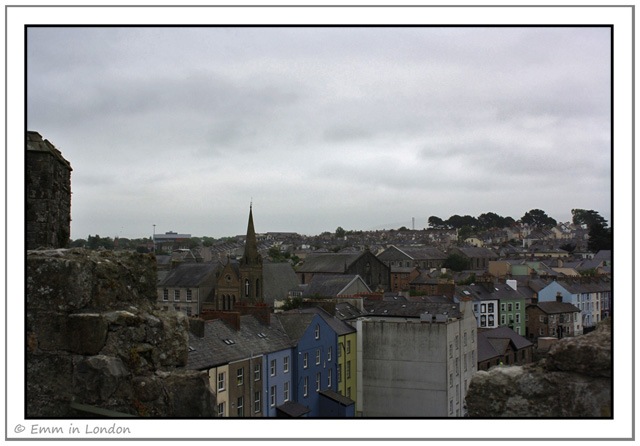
pixel 355 346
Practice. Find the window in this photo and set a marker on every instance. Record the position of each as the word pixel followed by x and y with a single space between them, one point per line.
pixel 450 379
pixel 483 308
pixel 451 407
pixel 465 362
pixel 541 318
pixel 318 382
pixel 240 406
pixel 165 294
pixel 457 341
pixel 450 350
pixel 348 372
pixel 257 369
pixel 272 396
pixel 329 378
pixel 517 306
pixel 473 336
pixel 305 360
pixel 240 376
pixel 340 347
pixel 503 319
pixel 483 320
pixel 317 356
pixel 465 339
pixel 490 307
pixel 475 308
pixel 272 367
pixel 348 346
pixel 457 366
pixel 541 331
pixel 509 306
pixel 517 318
pixel 221 382
pixel 221 409
pixel 457 393
pixel 317 332
pixel 285 364
pixel 329 353
pixel 246 287
pixel 305 386
pixel 286 391
pixel 189 295
pixel 503 307
pixel 257 404
pixel 176 295
pixel 339 369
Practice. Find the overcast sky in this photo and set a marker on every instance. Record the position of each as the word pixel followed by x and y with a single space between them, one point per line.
pixel 363 128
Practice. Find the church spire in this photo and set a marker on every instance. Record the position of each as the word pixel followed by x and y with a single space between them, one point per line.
pixel 251 256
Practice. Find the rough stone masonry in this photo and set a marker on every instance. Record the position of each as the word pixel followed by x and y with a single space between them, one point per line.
pixel 574 380
pixel 96 339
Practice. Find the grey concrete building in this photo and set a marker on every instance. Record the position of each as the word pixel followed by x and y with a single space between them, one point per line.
pixel 415 359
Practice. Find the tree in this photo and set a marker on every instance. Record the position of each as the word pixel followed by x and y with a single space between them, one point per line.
pixel 492 220
pixel 538 218
pixel 589 218
pixel 600 236
pixel 456 262
pixel 457 221
pixel 340 232
pixel 436 223
pixel 292 303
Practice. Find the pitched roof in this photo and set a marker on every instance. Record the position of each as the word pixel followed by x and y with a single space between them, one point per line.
pixel 294 323
pixel 554 307
pixel 410 309
pixel 293 409
pixel 188 275
pixel 345 310
pixel 278 279
pixel 337 325
pixel 328 263
pixel 472 251
pixel 493 343
pixel 252 339
pixel 332 285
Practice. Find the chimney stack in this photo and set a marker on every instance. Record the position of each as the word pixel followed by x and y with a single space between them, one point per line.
pixel 559 297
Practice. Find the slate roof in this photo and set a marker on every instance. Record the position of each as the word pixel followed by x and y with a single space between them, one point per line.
pixel 557 307
pixel 294 323
pixel 335 396
pixel 211 350
pixel 328 263
pixel 337 325
pixel 329 285
pixel 410 309
pixel 413 252
pixel 345 310
pixel 494 291
pixel 188 275
pixel 471 251
pixel 277 279
pixel 293 409
pixel 493 343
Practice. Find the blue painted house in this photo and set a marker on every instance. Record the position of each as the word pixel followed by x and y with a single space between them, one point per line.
pixel 315 358
pixel 277 377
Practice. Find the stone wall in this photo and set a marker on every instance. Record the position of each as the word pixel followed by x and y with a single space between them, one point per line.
pixel 573 380
pixel 95 337
pixel 48 195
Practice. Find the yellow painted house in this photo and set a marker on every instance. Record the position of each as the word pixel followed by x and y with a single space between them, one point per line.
pixel 347 361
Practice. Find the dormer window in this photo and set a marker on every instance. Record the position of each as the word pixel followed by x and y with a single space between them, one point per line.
pixel 317 331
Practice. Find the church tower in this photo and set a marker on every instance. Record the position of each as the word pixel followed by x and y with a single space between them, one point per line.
pixel 251 291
